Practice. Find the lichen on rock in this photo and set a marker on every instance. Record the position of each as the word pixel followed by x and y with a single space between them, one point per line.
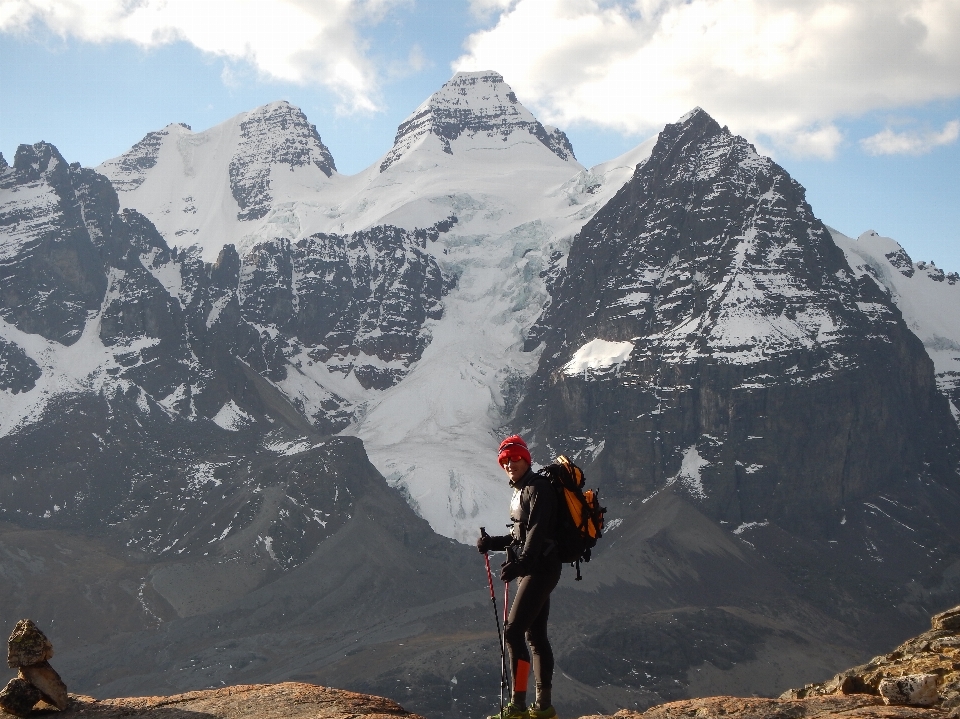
pixel 27 645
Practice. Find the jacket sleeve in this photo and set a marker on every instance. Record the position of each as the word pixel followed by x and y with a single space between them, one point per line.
pixel 499 544
pixel 541 523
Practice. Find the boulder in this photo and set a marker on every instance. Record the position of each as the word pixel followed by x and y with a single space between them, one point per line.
pixel 18 697
pixel 45 678
pixel 27 645
pixel 947 621
pixel 913 689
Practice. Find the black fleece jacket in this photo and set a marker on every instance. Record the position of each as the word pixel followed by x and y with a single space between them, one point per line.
pixel 533 512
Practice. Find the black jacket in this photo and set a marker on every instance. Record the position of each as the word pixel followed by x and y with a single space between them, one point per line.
pixel 533 512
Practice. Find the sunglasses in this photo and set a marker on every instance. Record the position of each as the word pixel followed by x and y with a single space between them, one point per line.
pixel 508 460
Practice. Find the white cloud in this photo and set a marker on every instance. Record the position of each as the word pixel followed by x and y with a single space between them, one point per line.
pixel 821 142
pixel 777 70
pixel 890 142
pixel 300 41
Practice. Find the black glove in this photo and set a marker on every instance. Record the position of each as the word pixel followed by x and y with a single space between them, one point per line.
pixel 509 571
pixel 483 544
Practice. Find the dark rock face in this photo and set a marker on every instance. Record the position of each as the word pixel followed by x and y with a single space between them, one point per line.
pixel 558 141
pixel 275 134
pixel 165 485
pixel 762 374
pixel 470 104
pixel 901 260
pixel 354 301
pixel 18 373
pixel 50 275
pixel 182 410
pixel 193 336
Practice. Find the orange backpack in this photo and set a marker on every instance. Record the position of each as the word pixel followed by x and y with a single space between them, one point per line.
pixel 579 515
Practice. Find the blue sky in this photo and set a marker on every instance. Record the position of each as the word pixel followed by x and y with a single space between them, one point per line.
pixel 859 101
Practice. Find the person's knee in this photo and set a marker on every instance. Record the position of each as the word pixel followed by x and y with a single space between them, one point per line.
pixel 539 644
pixel 513 635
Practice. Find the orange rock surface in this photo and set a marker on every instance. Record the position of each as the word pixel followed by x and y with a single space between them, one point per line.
pixel 289 700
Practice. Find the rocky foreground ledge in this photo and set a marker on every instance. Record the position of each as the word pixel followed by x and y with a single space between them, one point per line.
pixel 289 700
pixel 920 679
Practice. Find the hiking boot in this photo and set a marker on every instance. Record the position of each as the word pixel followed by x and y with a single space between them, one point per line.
pixel 534 713
pixel 512 711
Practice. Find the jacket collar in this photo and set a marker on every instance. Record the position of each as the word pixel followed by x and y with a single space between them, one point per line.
pixel 524 480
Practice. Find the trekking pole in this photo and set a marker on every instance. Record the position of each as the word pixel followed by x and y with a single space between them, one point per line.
pixel 496 616
pixel 506 604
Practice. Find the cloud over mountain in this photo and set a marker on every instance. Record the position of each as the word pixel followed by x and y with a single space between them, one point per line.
pixel 910 142
pixel 780 71
pixel 301 42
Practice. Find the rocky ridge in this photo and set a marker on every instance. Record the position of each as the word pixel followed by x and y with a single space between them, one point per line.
pixel 273 138
pixel 471 104
pixel 921 291
pixel 130 169
pixel 185 331
pixel 935 653
pixel 857 692
pixel 136 378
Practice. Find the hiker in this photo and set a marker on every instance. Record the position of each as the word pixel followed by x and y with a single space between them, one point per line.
pixel 532 557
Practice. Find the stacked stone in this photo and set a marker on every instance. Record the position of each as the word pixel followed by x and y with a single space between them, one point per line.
pixel 28 651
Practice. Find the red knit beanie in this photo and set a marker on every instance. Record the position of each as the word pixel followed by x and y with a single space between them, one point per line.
pixel 514 446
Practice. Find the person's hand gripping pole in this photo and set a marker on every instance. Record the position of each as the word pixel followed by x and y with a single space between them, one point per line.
pixel 496 616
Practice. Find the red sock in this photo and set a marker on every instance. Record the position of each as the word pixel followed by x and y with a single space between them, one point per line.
pixel 520 676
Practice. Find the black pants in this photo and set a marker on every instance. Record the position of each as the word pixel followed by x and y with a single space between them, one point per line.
pixel 528 621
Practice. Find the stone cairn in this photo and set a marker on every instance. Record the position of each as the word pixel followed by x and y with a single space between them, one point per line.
pixel 28 651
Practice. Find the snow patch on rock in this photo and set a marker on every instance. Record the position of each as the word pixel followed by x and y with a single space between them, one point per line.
pixel 689 476
pixel 232 417
pixel 598 354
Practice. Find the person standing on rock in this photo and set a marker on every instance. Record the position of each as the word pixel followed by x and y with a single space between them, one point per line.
pixel 533 558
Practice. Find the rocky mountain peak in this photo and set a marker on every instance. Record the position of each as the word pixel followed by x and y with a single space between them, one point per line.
pixel 890 249
pixel 271 136
pixel 131 167
pixel 252 152
pixel 703 290
pixel 50 275
pixel 3 162
pixel 472 105
pixel 32 161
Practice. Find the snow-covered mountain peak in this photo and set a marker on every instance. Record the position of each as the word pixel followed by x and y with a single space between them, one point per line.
pixel 697 112
pixel 490 197
pixel 479 107
pixel 208 188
